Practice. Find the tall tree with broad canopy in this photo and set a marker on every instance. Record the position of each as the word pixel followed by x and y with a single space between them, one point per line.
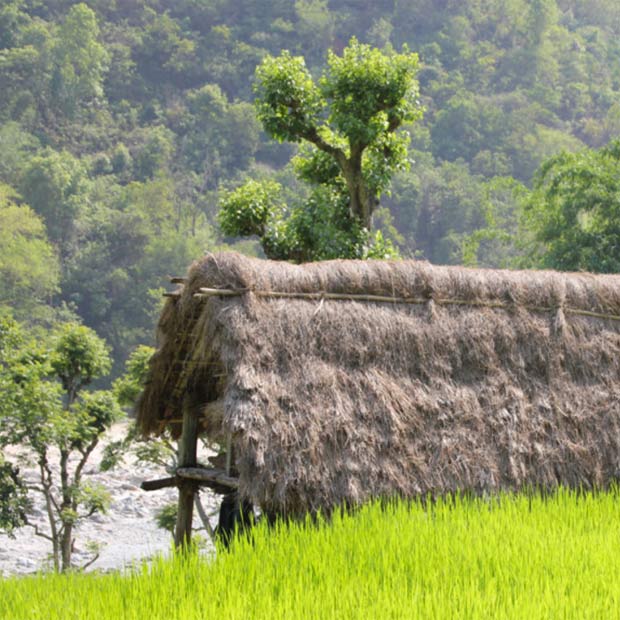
pixel 346 122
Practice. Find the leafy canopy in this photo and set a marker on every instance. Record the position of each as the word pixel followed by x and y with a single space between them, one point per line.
pixel 79 356
pixel 44 406
pixel 29 270
pixel 346 122
pixel 349 116
pixel 574 211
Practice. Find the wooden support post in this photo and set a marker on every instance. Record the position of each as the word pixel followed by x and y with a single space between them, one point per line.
pixel 187 488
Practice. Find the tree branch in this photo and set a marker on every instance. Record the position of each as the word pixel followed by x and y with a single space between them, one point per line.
pixel 394 123
pixel 91 561
pixel 50 502
pixel 90 513
pixel 38 532
pixel 312 135
pixel 80 466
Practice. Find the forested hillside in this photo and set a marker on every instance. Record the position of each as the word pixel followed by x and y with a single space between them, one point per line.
pixel 122 122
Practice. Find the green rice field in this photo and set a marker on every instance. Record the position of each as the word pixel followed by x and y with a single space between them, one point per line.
pixel 512 557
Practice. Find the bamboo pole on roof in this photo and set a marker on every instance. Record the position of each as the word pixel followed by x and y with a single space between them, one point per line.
pixel 206 293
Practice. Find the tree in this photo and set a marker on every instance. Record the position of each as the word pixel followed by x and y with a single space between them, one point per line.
pixel 499 243
pixel 55 185
pixel 318 227
pixel 465 126
pixel 574 211
pixel 79 60
pixel 46 409
pixel 29 270
pixel 350 117
pixel 347 124
pixel 155 154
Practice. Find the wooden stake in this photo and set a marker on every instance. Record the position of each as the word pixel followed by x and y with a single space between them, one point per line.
pixel 186 458
pixel 204 517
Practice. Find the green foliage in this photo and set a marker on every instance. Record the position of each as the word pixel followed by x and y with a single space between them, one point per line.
pixel 502 241
pixel 166 517
pixel 318 228
pixel 155 154
pixel 288 102
pixel 121 159
pixel 350 116
pixel 14 502
pixel 122 124
pixel 79 357
pixel 97 412
pixel 29 270
pixel 44 407
pixel 79 61
pixel 248 209
pixel 574 211
pixel 370 92
pixel 347 122
pixel 16 148
pixel 463 127
pixel 55 185
pixel 128 387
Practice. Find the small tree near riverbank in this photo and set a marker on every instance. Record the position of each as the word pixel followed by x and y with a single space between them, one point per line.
pixel 47 410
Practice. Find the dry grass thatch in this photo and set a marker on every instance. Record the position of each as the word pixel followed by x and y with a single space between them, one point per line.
pixel 338 401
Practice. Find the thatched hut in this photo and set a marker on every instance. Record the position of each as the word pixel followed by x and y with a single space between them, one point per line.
pixel 341 381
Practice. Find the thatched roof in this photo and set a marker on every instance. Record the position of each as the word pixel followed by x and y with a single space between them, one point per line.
pixel 476 379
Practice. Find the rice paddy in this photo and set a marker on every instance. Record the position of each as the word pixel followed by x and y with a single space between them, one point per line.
pixel 510 557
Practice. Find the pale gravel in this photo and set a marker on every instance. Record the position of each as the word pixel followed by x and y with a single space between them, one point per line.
pixel 127 533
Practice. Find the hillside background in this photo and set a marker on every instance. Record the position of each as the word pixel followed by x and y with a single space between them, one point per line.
pixel 121 122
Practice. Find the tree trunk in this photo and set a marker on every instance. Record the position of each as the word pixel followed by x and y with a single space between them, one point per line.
pixel 46 486
pixel 66 546
pixel 66 539
pixel 361 204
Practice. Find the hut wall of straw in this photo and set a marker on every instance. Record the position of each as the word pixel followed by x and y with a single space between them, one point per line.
pixel 484 380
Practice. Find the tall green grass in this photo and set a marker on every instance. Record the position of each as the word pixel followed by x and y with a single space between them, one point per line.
pixel 512 557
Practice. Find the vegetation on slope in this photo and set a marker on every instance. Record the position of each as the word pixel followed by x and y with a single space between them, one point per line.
pixel 122 124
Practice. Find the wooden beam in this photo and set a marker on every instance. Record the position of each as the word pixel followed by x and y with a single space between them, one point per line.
pixel 162 483
pixel 215 479
pixel 208 476
pixel 171 294
pixel 187 488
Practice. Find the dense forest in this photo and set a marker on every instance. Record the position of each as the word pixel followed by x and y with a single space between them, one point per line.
pixel 122 124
